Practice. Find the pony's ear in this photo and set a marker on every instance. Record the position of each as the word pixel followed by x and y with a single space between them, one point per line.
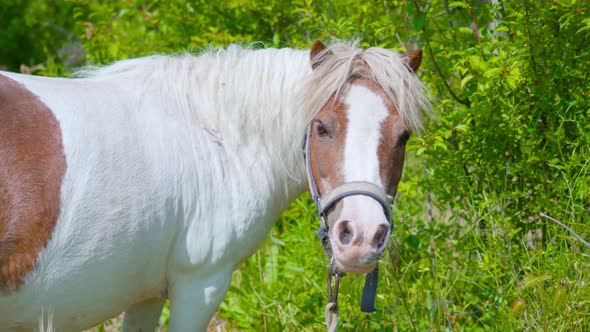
pixel 414 59
pixel 318 54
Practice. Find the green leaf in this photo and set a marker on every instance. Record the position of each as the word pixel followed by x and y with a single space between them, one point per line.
pixel 458 4
pixel 418 21
pixel 465 80
pixel 461 127
pixel 532 281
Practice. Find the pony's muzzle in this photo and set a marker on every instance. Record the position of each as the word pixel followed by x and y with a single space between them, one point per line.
pixel 357 246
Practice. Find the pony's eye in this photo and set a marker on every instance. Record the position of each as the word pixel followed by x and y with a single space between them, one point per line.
pixel 403 138
pixel 321 129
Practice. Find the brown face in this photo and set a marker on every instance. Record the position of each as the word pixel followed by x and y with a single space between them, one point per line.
pixel 358 137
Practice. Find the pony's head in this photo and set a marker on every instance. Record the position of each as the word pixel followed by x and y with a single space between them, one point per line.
pixel 371 103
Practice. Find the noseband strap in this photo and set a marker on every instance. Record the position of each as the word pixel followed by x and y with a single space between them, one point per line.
pixel 324 203
pixel 355 188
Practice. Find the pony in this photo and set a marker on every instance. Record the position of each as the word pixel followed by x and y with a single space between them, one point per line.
pixel 154 178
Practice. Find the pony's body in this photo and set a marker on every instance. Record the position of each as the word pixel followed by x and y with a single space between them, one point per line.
pixel 177 168
pixel 153 193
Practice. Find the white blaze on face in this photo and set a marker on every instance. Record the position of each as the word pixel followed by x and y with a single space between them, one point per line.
pixel 365 112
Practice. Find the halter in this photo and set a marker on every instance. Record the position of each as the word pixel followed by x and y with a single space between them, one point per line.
pixel 324 203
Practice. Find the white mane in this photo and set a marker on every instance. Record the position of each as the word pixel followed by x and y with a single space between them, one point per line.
pixel 233 93
pixel 233 78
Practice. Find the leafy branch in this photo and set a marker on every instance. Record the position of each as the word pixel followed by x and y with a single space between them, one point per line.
pixel 465 102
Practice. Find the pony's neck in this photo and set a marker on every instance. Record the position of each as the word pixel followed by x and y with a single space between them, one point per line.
pixel 248 102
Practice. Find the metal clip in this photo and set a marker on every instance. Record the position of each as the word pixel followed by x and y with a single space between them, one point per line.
pixel 333 289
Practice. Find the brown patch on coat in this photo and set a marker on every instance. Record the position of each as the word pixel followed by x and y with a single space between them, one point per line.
pixel 32 166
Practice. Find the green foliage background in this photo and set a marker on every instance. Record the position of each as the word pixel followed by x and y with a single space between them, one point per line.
pixel 471 250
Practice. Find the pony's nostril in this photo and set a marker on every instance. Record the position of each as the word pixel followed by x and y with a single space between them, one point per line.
pixel 345 235
pixel 380 236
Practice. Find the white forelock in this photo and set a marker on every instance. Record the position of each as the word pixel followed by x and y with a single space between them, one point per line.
pixel 343 60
